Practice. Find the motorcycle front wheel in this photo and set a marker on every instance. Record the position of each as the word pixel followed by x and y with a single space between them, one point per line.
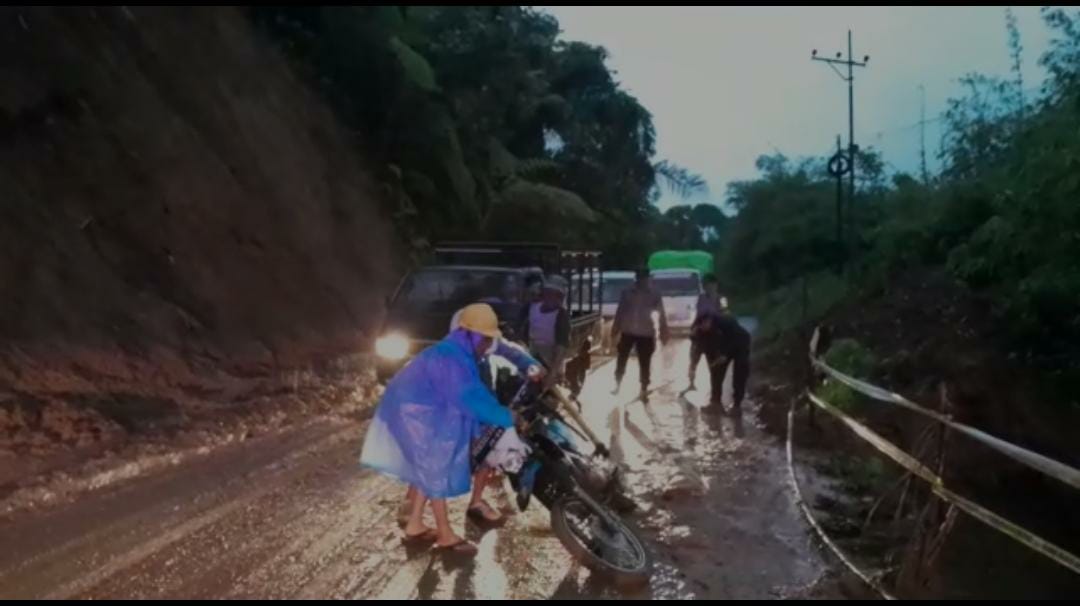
pixel 601 541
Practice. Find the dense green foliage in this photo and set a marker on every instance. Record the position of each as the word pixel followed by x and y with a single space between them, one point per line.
pixel 1003 216
pixel 485 125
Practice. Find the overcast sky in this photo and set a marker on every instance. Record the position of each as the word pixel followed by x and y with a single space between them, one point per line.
pixel 727 84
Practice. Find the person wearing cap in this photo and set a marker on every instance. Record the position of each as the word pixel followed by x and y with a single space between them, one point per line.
pixel 423 426
pixel 546 328
pixel 634 323
pixel 479 511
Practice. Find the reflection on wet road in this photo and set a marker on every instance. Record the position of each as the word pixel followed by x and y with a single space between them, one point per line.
pixel 293 516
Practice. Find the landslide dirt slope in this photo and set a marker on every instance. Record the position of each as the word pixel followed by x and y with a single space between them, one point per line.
pixel 178 212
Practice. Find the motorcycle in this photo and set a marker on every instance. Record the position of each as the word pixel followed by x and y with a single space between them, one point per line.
pixel 581 491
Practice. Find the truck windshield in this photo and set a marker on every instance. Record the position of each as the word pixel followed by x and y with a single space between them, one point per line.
pixel 678 286
pixel 613 288
pixel 451 288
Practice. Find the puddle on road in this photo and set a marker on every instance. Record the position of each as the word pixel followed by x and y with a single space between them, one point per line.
pixel 712 486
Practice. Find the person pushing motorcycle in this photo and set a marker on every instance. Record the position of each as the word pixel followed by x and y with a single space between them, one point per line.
pixel 424 424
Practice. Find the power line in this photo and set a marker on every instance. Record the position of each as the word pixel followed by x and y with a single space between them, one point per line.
pixel 937 118
pixel 878 136
pixel 911 126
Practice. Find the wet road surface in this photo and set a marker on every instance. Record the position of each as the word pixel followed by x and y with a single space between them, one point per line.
pixel 293 516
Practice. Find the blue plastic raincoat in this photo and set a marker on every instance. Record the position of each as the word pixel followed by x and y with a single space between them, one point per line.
pixel 427 417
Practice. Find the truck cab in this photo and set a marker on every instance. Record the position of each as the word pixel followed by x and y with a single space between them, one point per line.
pixel 680 289
pixel 419 313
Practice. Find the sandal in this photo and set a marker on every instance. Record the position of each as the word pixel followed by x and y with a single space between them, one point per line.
pixel 461 548
pixel 478 515
pixel 424 538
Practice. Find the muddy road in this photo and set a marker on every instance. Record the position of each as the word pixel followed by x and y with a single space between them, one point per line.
pixel 292 515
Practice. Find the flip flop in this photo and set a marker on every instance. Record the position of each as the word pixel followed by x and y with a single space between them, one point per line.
pixel 461 548
pixel 424 538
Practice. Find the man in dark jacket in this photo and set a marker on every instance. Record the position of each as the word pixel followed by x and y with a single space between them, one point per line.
pixel 724 342
pixel 709 302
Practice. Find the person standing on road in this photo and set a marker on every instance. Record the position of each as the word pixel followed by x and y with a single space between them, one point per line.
pixel 424 424
pixel 546 329
pixel 636 327
pixel 479 511
pixel 725 342
pixel 709 302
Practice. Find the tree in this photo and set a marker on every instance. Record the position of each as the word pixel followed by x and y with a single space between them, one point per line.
pixel 871 174
pixel 711 221
pixel 459 104
pixel 680 181
pixel 784 226
pixel 1016 55
pixel 976 132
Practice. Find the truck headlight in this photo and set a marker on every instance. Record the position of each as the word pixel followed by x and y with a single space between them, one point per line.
pixel 394 346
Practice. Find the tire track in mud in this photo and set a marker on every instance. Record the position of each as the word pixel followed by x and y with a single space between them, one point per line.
pixel 207 530
pixel 273 532
pixel 344 547
pixel 81 545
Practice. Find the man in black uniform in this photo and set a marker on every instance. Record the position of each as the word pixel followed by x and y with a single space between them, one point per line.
pixel 724 342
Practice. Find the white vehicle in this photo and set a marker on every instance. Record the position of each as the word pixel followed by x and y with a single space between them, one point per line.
pixel 680 289
pixel 615 282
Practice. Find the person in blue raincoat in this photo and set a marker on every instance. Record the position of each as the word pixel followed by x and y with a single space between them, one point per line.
pixel 479 511
pixel 424 423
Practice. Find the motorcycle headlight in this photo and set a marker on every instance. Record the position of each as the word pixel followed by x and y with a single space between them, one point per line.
pixel 392 347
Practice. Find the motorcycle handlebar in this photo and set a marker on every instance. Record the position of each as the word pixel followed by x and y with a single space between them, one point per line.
pixel 517 403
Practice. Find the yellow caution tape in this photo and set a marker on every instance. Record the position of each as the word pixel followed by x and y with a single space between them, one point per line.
pixel 977 511
pixel 1036 461
pixel 801 503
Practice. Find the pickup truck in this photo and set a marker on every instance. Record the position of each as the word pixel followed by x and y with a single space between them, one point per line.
pixel 419 313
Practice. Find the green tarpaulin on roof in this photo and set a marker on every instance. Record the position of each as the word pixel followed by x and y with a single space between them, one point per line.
pixel 682 259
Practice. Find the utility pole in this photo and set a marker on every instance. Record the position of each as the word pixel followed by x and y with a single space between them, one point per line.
pixel 851 64
pixel 922 135
pixel 839 166
pixel 840 198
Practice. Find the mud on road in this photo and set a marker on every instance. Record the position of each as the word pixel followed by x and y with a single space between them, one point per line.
pixel 292 515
